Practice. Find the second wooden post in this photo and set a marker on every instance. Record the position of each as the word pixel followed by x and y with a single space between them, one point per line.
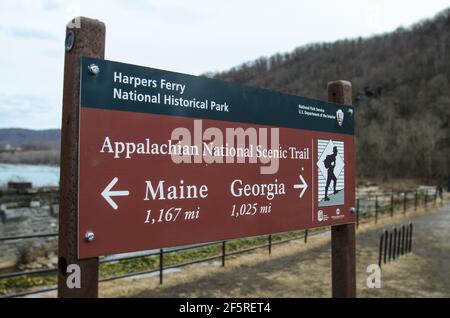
pixel 343 259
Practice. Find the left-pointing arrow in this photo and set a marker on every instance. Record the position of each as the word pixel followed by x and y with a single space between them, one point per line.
pixel 107 193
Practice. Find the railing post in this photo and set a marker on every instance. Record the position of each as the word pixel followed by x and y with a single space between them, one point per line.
pixel 406 239
pixel 402 249
pixel 380 252
pixel 392 203
pixel 410 237
pixel 404 201
pixel 161 266
pixel 415 200
pixel 390 245
pixel 343 259
pixel 386 239
pixel 84 37
pixel 376 209
pixel 223 252
pixel 270 244
pixel 394 251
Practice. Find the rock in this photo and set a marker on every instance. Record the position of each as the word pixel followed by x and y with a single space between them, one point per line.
pixel 14 215
pixel 54 211
pixel 35 204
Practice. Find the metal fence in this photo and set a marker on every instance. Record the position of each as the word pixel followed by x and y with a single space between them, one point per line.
pixel 395 243
pixel 368 209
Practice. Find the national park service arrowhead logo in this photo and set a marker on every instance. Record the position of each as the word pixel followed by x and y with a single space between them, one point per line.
pixel 340 117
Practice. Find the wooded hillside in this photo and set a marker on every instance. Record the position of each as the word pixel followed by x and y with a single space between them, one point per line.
pixel 401 90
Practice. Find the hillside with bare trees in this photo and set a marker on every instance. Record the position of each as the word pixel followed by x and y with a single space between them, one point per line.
pixel 401 90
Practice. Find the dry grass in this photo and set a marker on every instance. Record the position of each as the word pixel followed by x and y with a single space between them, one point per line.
pixel 299 270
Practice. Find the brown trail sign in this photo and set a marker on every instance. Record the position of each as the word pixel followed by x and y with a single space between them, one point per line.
pixel 155 159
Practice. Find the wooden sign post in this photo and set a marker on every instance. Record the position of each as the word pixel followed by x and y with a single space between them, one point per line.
pixel 84 38
pixel 343 241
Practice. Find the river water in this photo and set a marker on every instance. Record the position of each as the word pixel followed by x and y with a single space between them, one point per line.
pixel 39 175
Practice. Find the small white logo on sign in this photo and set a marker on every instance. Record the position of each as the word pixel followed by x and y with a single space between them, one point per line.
pixel 338 215
pixel 340 117
pixel 320 215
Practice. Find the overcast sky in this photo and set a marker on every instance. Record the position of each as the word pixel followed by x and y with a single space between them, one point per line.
pixel 185 36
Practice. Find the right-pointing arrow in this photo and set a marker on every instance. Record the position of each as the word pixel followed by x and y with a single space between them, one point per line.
pixel 107 193
pixel 303 185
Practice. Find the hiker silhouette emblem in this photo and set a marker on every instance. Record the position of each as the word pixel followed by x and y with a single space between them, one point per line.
pixel 330 163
